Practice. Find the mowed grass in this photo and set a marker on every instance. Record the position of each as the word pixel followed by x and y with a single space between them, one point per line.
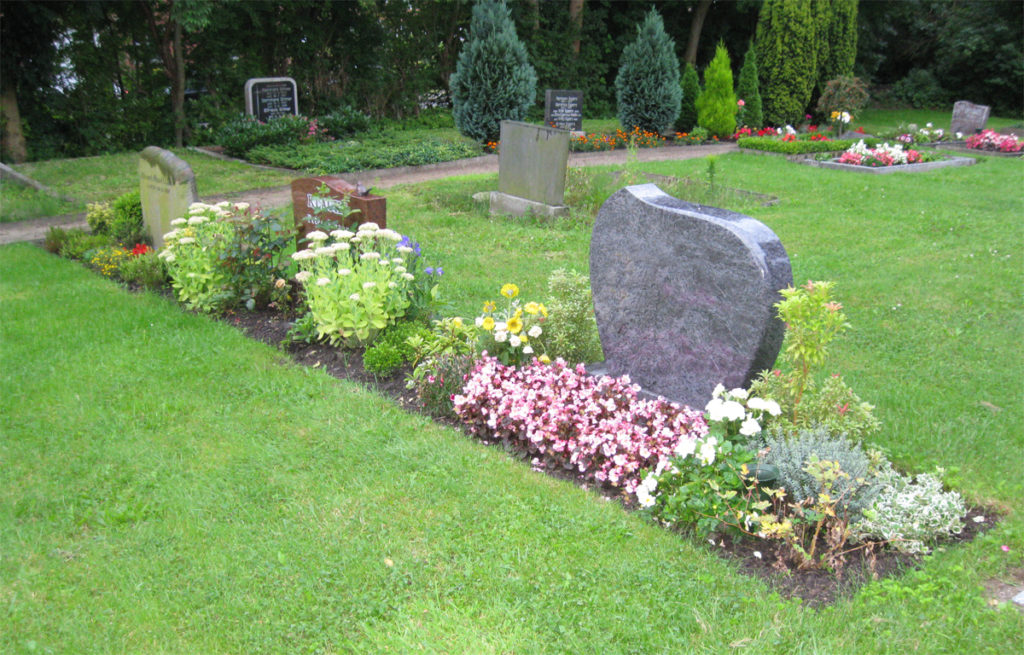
pixel 170 486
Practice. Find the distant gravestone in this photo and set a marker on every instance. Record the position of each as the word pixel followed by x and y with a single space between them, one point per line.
pixel 969 118
pixel 270 97
pixel 684 294
pixel 531 170
pixel 563 109
pixel 167 187
pixel 316 211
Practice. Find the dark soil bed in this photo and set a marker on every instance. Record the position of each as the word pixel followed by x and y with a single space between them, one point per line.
pixel 761 558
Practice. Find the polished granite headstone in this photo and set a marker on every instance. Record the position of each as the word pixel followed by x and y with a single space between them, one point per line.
pixel 684 294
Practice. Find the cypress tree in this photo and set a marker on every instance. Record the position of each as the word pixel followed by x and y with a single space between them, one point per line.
pixel 839 31
pixel 493 79
pixel 786 59
pixel 688 108
pixel 716 107
pixel 750 114
pixel 647 87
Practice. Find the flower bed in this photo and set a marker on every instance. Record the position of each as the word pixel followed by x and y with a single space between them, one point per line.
pixel 886 158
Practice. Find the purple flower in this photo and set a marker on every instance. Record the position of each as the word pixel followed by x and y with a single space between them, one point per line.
pixel 429 270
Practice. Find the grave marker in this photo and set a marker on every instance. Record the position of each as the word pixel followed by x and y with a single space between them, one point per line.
pixel 306 200
pixel 684 294
pixel 969 118
pixel 270 97
pixel 563 109
pixel 167 187
pixel 531 170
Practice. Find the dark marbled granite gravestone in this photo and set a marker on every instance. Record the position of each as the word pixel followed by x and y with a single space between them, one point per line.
pixel 684 294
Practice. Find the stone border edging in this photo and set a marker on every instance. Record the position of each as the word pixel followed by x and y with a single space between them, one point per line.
pixel 885 170
pixel 960 146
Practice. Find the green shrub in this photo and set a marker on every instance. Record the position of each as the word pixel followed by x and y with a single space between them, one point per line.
pixel 382 359
pixel 336 157
pixel 786 45
pixel 126 225
pixel 716 106
pixel 790 455
pixel 99 216
pixel 751 113
pixel 832 405
pixel 493 80
pixel 145 270
pixel 79 244
pixel 843 94
pixel 392 349
pixel 920 89
pixel 911 512
pixel 647 90
pixel 772 144
pixel 56 237
pixel 570 331
pixel 245 132
pixel 344 121
pixel 688 105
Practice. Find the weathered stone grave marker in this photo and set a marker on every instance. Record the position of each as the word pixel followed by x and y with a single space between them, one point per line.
pixel 270 97
pixel 315 211
pixel 684 294
pixel 167 187
pixel 531 170
pixel 563 109
pixel 969 118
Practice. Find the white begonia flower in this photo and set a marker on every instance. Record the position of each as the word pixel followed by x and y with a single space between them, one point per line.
pixel 718 390
pixel 303 276
pixel 764 405
pixel 370 227
pixel 369 285
pixel 185 240
pixel 733 411
pixel 479 321
pixel 790 129
pixel 370 255
pixel 317 235
pixel 500 336
pixel 739 393
pixel 344 271
pixel 644 498
pixel 959 135
pixel 405 250
pixel 750 427
pixel 354 297
pixel 501 326
pixel 928 125
pixel 408 277
pixel 323 281
pixel 707 451
pixel 527 349
pixel 179 221
pixel 515 341
pixel 534 332
pixel 685 447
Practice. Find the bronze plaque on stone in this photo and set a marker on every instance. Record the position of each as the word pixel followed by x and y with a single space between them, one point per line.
pixel 314 210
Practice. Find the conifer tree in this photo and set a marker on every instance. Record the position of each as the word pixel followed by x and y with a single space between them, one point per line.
pixel 838 30
pixel 716 106
pixel 750 113
pixel 647 88
pixel 688 108
pixel 493 79
pixel 787 63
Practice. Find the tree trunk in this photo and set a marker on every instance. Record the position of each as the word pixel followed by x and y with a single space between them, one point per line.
pixel 696 25
pixel 535 13
pixel 14 133
pixel 178 88
pixel 576 20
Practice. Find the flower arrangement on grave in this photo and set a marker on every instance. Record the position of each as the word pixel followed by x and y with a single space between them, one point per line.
pixel 514 332
pixel 885 154
pixel 839 120
pixel 992 140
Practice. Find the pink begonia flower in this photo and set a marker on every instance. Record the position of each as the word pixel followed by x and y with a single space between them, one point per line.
pixel 1005 548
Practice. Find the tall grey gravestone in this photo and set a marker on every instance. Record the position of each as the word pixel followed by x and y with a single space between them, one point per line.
pixel 968 118
pixel 531 170
pixel 684 294
pixel 167 187
pixel 270 97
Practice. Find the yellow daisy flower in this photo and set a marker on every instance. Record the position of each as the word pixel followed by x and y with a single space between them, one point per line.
pixel 488 323
pixel 515 325
pixel 510 291
pixel 488 307
pixel 532 308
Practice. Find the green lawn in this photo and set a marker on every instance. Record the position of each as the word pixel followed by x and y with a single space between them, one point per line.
pixel 169 486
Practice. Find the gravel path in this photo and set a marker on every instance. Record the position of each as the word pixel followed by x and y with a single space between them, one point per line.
pixel 35 230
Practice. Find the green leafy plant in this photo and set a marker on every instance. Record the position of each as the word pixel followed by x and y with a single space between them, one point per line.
pixel 442 359
pixel 99 216
pixel 344 121
pixel 843 94
pixel 126 225
pixel 570 331
pixel 193 252
pixel 78 244
pixel 717 105
pixel 392 349
pixel 56 237
pixel 647 90
pixel 145 269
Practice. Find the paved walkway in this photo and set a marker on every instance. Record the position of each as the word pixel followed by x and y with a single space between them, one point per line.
pixel 35 230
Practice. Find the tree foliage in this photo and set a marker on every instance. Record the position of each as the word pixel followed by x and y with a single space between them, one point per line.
pixel 716 106
pixel 837 36
pixel 493 80
pixel 647 90
pixel 787 51
pixel 688 107
pixel 751 113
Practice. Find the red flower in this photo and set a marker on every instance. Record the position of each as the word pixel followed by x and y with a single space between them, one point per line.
pixel 141 249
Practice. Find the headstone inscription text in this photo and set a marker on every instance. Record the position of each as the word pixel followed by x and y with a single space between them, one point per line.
pixel 684 294
pixel 167 187
pixel 969 118
pixel 563 109
pixel 270 97
pixel 325 211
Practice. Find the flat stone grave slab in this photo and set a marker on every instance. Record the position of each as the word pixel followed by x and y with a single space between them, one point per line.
pixel 316 211
pixel 167 187
pixel 684 294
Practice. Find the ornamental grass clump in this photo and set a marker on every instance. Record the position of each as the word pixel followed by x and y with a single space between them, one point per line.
pixel 355 284
pixel 597 427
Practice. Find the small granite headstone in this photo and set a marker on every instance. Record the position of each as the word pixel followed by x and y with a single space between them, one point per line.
pixel 270 97
pixel 531 170
pixel 563 109
pixel 167 187
pixel 684 294
pixel 969 118
pixel 307 200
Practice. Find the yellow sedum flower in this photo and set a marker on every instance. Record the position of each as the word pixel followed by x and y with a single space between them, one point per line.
pixel 510 291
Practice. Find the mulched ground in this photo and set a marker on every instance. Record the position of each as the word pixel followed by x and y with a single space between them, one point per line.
pixel 763 559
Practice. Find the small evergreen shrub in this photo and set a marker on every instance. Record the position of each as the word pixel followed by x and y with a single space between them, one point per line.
pixel 145 269
pixel 647 90
pixel 688 105
pixel 751 113
pixel 786 44
pixel 344 121
pixel 99 216
pixel 493 79
pixel 245 132
pixel 716 106
pixel 393 349
pixel 848 94
pixel 790 455
pixel 126 225
pixel 382 359
pixel 920 89
pixel 571 331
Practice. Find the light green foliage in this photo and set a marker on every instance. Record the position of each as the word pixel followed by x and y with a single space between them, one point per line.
pixel 786 45
pixel 99 216
pixel 392 348
pixel 844 93
pixel 56 237
pixel 910 512
pixel 493 80
pixel 830 404
pixel 126 224
pixel 442 359
pixel 146 270
pixel 791 454
pixel 571 331
pixel 688 105
pixel 716 106
pixel 798 147
pixel 79 244
pixel 751 113
pixel 647 91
